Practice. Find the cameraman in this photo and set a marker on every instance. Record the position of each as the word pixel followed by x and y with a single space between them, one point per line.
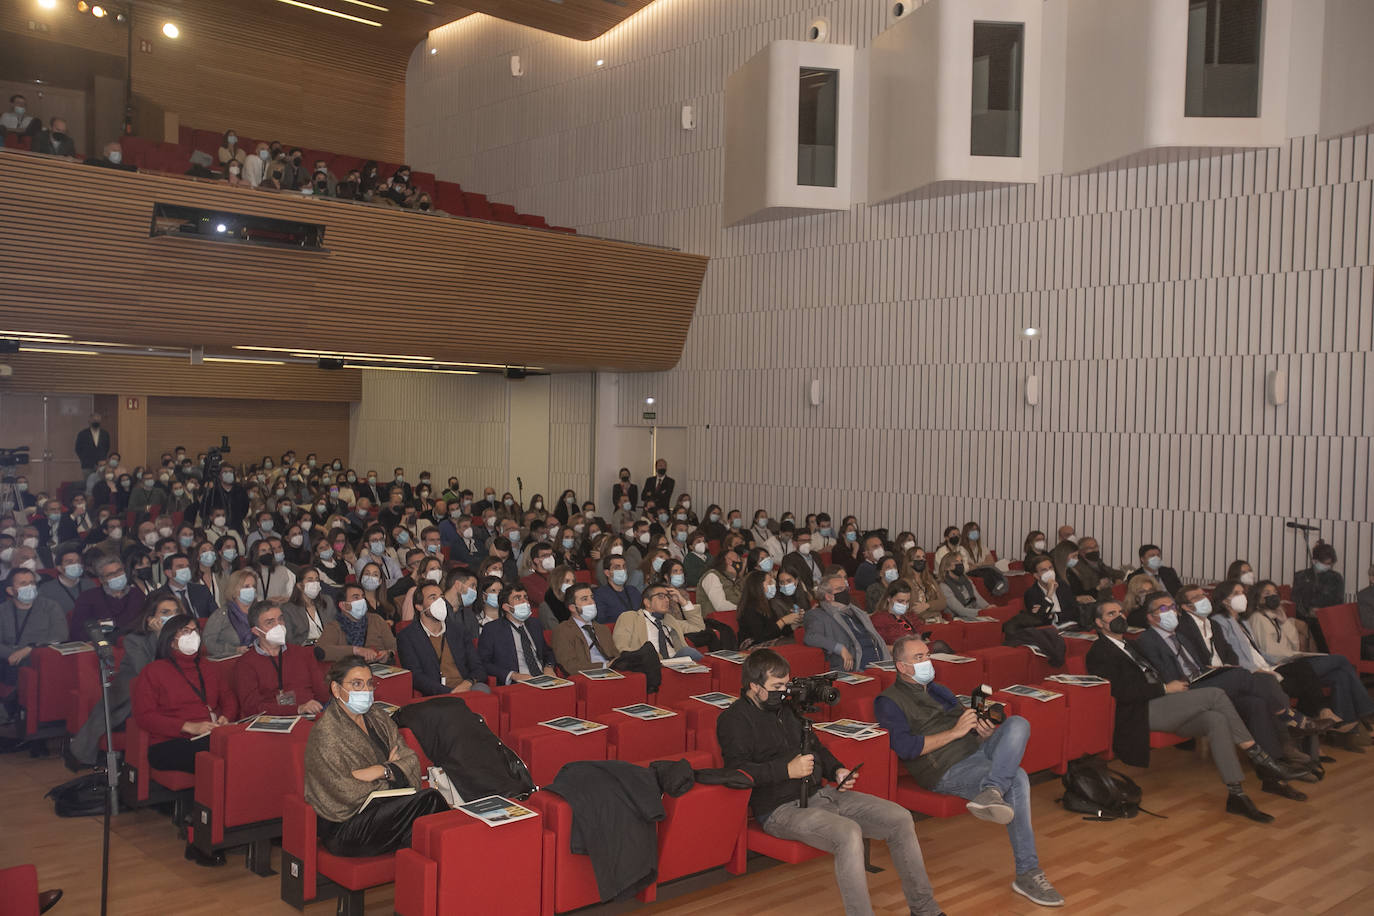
pixel 761 734
pixel 951 750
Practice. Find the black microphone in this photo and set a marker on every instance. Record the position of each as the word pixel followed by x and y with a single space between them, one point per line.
pixel 103 647
pixel 1299 526
pixel 520 483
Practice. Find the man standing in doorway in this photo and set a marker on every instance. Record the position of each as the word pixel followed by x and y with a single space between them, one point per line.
pixel 92 446
pixel 659 488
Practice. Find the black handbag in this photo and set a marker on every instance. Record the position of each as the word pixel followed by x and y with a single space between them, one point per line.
pixel 1094 789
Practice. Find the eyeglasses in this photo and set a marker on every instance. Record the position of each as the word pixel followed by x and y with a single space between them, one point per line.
pixel 357 684
pixel 1166 607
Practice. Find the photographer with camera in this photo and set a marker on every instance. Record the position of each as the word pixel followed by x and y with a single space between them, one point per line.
pixel 764 735
pixel 972 753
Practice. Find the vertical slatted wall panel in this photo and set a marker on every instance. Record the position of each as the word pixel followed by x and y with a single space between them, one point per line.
pixel 1165 292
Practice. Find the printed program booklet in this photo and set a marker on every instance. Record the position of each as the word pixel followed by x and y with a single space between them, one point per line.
pixel 684 665
pixel 715 698
pixel 280 725
pixel 73 648
pixel 495 811
pixel 850 677
pixel 851 728
pixel 573 725
pixel 601 674
pixel 385 671
pixel 951 659
pixel 387 793
pixel 729 655
pixel 1034 693
pixel 546 682
pixel 645 711
pixel 1078 680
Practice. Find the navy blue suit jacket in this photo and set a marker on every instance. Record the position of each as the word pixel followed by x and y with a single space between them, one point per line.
pixel 417 655
pixel 610 604
pixel 202 601
pixel 496 647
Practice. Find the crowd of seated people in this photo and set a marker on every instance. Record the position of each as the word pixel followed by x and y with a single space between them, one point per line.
pixel 293 564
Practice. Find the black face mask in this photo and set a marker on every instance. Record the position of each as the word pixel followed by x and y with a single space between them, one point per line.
pixel 918 565
pixel 1092 556
pixel 953 539
pixel 424 206
pixel 1118 625
pixel 842 596
pixel 59 136
pixel 1271 602
pixel 959 569
pixel 774 701
pixel 662 472
pixel 146 574
pixel 266 559
pixel 95 425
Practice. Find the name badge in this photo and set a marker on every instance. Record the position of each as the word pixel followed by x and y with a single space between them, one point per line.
pixel 286 698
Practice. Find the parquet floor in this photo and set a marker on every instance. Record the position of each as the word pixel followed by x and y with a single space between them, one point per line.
pixel 1316 858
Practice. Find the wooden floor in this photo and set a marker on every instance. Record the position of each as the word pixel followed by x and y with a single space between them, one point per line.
pixel 1317 857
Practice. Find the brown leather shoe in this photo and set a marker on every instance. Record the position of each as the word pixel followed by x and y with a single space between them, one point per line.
pixel 48 899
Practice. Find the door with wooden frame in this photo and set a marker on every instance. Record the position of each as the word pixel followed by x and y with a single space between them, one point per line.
pixel 47 424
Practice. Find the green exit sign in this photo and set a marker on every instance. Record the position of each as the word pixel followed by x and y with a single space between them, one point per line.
pixel 651 415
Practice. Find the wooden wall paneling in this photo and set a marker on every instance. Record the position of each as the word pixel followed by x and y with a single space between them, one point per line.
pixel 254 429
pixel 115 374
pixel 482 292
pixel 1153 423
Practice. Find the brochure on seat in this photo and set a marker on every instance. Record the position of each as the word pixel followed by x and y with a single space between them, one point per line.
pixel 385 671
pixel 645 711
pixel 73 648
pixel 684 665
pixel 387 793
pixel 1078 634
pixel 1034 693
pixel 1078 680
pixel 888 665
pixel 729 655
pixel 573 725
pixel 849 677
pixel 546 682
pixel 280 725
pixel 602 674
pixel 715 698
pixel 851 728
pixel 951 659
pixel 496 811
pixel 981 619
pixel 388 708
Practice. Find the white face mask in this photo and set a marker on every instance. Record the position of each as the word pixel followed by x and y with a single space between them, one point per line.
pixel 276 636
pixel 1047 576
pixel 1247 579
pixel 617 550
pixel 546 564
pixel 588 612
pixel 438 609
pixel 188 643
pixel 435 576
pixel 1238 603
pixel 804 548
pixel 311 589
pixel 1039 546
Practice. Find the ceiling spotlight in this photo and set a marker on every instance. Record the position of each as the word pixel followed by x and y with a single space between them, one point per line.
pixel 433 50
pixel 600 62
pixel 1030 332
pixel 83 6
pixel 119 17
pixel 98 12
pixel 220 228
pixel 648 400
pixel 170 29
pixel 48 4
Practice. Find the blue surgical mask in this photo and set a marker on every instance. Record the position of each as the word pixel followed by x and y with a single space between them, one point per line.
pixel 1071 562
pixel 568 543
pixel 371 583
pixel 118 583
pixel 766 564
pixel 974 535
pixel 327 553
pixel 359 701
pixel 54 518
pixel 736 523
pixel 186 541
pixel 1320 567
pixel 900 607
pixel 825 532
pixel 890 575
pixel 26 593
pixel 851 536
pixel 680 537
pixel 657 564
pixel 1202 607
pixel 769 591
pixel 432 549
pixel 231 554
pixel 376 546
pixel 247 595
pixel 469 597
pixel 677 580
pixel 789 588
pixel 182 575
pixel 73 570
pixel 403 537
pixel 207 558
pixel 923 672
pixel 1155 562
pixel 492 599
pixel 1168 621
pixel 357 609
pixel 520 612
pixel 618 576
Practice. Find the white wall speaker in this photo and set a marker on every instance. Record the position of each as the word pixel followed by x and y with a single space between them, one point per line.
pixel 814 392
pixel 819 30
pixel 516 68
pixel 1276 387
pixel 689 118
pixel 1033 390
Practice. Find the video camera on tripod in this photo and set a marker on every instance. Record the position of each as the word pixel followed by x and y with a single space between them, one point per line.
pixel 807 693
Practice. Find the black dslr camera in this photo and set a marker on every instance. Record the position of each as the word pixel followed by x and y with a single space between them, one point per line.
pixel 986 710
pixel 806 693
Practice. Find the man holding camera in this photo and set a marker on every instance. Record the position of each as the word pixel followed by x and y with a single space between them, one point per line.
pixel 762 734
pixel 956 751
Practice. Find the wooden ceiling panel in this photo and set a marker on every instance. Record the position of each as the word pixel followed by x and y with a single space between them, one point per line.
pixel 580 19
pixel 393 282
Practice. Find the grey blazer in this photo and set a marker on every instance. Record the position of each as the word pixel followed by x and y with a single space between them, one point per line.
pixel 826 631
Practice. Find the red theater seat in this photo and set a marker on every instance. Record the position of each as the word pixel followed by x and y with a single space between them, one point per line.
pixel 545 750
pixel 644 739
pixel 913 798
pixel 523 706
pixel 1165 739
pixel 457 864
pixel 1048 725
pixel 19 890
pixel 1004 665
pixel 678 685
pixel 1088 727
pixel 879 774
pixel 701 830
pixel 596 697
pixel 140 784
pixel 701 727
pixel 804 660
pixel 979 634
pixel 961 677
pixel 1340 625
pixel 789 851
pixel 726 676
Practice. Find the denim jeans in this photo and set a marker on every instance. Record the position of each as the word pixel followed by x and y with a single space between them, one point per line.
pixel 688 652
pixel 997 764
pixel 837 822
pixel 1349 699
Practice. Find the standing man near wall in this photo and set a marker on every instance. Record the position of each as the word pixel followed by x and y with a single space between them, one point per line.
pixel 92 446
pixel 659 488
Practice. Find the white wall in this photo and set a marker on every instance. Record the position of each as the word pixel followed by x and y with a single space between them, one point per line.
pixel 1165 293
pixel 482 429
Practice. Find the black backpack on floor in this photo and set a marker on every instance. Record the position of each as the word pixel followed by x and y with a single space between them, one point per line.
pixel 1092 788
pixel 83 796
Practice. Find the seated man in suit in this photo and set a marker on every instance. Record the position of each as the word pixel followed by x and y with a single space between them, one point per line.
pixel 949 749
pixel 195 599
pixel 27 620
pixel 1174 647
pixel 1164 577
pixel 617 596
pixel 582 641
pixel 55 528
pixel 843 632
pixel 1145 702
pixel 1048 599
pixel 71 579
pixel 653 626
pixel 512 647
pixel 873 553
pixel 1090 575
pixel 441 659
pixel 802 562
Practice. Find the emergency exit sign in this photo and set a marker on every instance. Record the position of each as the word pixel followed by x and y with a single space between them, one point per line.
pixel 651 415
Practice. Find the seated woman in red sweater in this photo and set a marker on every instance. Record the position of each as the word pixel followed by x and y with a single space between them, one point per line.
pixel 272 677
pixel 893 617
pixel 180 697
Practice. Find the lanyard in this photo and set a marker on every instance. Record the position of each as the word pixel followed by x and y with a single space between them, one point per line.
pixel 277 663
pixel 202 692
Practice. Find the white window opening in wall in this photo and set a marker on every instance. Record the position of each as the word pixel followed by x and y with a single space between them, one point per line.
pixel 817 127
pixel 1224 41
pixel 998 59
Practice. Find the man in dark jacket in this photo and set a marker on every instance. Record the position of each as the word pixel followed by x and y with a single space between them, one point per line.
pixel 659 488
pixel 92 445
pixel 55 141
pixel 1152 565
pixel 763 736
pixel 1145 703
pixel 439 657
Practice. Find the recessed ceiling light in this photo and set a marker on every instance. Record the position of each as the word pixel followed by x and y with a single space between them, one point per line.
pixel 433 50
pixel 600 62
pixel 170 29
pixel 648 400
pixel 1031 332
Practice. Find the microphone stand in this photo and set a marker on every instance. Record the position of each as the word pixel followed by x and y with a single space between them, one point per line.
pixel 107 672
